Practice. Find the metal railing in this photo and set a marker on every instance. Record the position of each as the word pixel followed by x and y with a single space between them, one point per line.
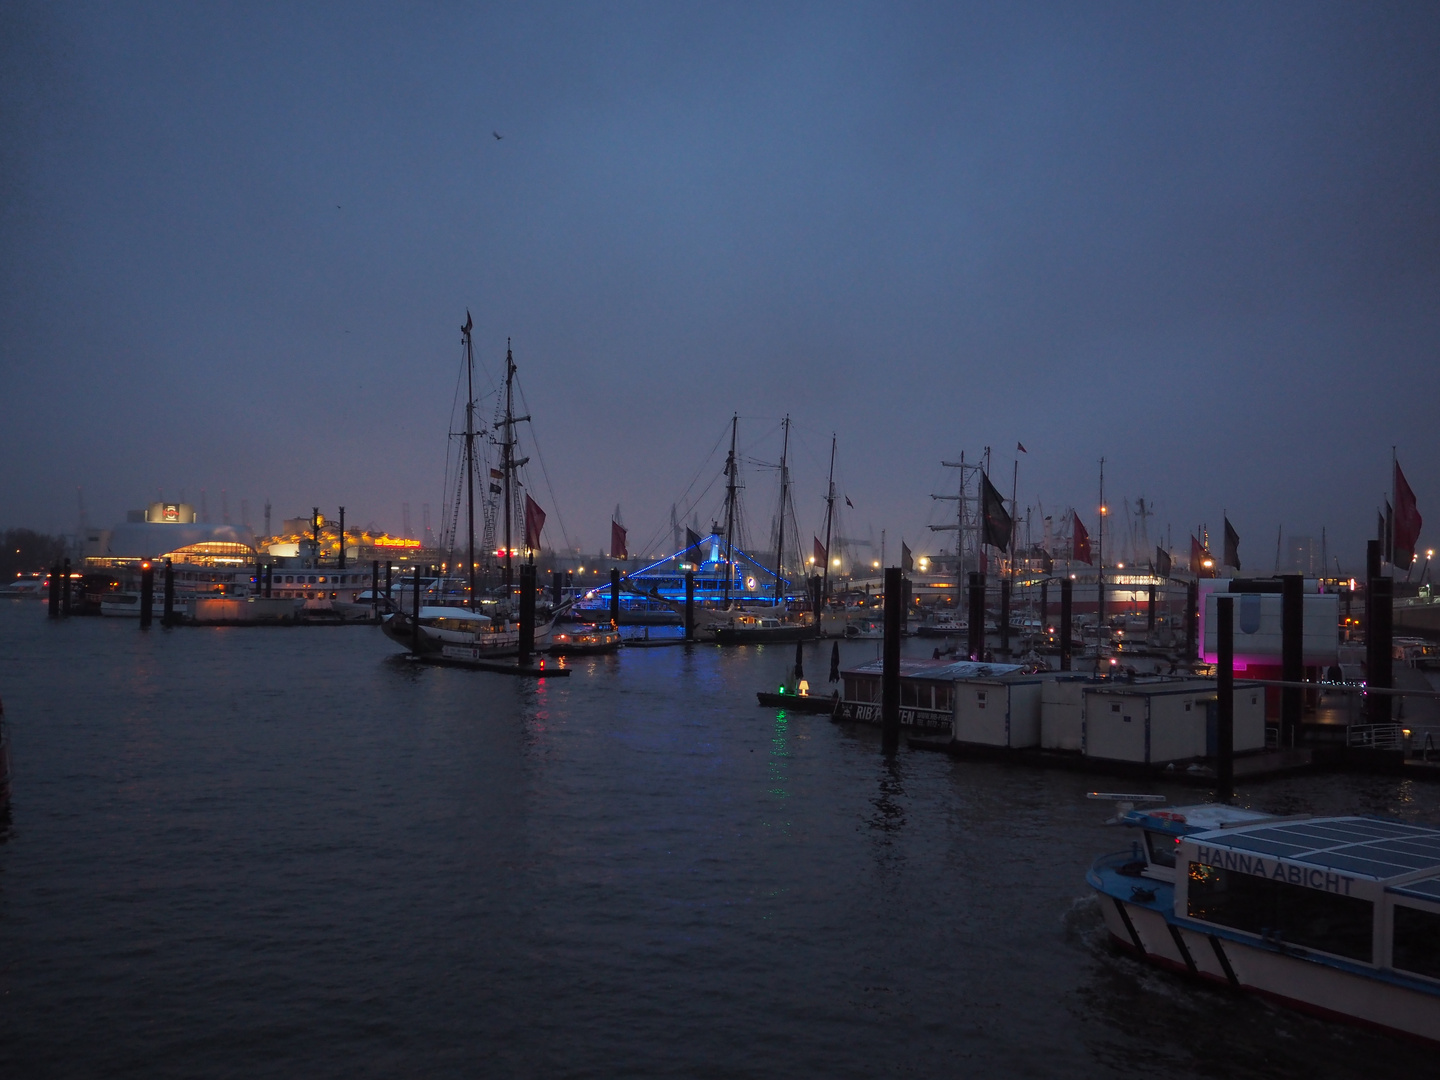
pixel 1375 736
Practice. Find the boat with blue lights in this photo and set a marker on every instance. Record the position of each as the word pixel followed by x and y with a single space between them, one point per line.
pixel 1338 917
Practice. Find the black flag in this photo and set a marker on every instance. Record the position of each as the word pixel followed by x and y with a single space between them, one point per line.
pixel 1162 562
pixel 907 562
pixel 1232 545
pixel 692 546
pixel 469 323
pixel 997 521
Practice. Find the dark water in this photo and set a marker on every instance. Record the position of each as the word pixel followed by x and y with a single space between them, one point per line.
pixel 286 852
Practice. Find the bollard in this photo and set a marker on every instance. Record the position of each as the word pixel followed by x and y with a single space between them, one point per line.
pixel 1005 616
pixel 1292 655
pixel 890 664
pixel 689 605
pixel 169 616
pixel 147 595
pixel 1225 696
pixel 976 644
pixel 1067 614
pixel 527 614
pixel 614 597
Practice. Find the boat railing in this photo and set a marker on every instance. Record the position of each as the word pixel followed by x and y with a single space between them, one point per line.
pixel 1375 736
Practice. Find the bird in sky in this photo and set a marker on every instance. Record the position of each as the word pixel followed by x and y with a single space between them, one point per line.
pixel 497 135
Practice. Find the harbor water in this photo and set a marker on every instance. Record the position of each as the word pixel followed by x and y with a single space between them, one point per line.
pixel 291 852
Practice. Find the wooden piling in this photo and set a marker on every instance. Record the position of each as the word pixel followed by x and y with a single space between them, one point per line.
pixel 527 614
pixel 689 605
pixel 1067 616
pixel 65 590
pixel 55 591
pixel 1005 616
pixel 375 589
pixel 1292 655
pixel 614 597
pixel 1225 696
pixel 147 595
pixel 1192 621
pixel 168 618
pixel 340 561
pixel 976 642
pixel 1379 669
pixel 890 664
pixel 1150 608
pixel 415 615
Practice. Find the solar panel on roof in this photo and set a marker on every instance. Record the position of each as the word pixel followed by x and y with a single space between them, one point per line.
pixel 1430 848
pixel 1384 853
pixel 1358 864
pixel 1266 847
pixel 1429 888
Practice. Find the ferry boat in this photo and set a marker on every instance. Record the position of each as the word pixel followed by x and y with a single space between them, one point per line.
pixel 1335 916
pixel 745 629
pixel 943 624
pixel 26 586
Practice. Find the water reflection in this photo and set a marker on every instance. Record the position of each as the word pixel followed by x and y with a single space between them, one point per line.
pixel 889 815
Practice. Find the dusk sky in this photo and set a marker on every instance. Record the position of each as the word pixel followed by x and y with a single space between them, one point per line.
pixel 1199 240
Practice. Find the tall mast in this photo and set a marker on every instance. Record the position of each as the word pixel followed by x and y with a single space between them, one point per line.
pixel 829 514
pixel 470 454
pixel 508 453
pixel 1102 519
pixel 730 509
pixel 784 494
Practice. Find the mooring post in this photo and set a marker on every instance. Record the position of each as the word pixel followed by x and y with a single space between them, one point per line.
pixel 147 595
pixel 1225 696
pixel 1379 669
pixel 976 642
pixel 1044 607
pixel 1150 609
pixel 1005 616
pixel 415 614
pixel 614 597
pixel 389 592
pixel 65 591
pixel 1192 621
pixel 890 665
pixel 375 589
pixel 527 614
pixel 1067 614
pixel 55 591
pixel 169 619
pixel 556 592
pixel 1100 633
pixel 689 605
pixel 340 564
pixel 1292 655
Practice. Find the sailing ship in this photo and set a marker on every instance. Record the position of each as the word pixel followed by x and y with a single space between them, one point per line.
pixel 465 633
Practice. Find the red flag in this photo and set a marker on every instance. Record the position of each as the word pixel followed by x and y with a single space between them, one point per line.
pixel 1407 521
pixel 1021 447
pixel 819 553
pixel 534 522
pixel 1198 557
pixel 1081 548
pixel 496 474
pixel 617 541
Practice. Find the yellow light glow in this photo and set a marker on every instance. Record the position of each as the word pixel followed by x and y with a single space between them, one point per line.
pixel 834 562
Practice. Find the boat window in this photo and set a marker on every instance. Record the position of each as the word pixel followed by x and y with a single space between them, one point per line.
pixel 1417 941
pixel 1290 913
pixel 944 697
pixel 1162 848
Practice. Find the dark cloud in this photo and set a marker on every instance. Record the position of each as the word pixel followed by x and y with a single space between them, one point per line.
pixel 1202 242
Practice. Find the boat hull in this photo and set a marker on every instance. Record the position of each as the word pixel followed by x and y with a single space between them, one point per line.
pixel 1145 929
pixel 762 635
